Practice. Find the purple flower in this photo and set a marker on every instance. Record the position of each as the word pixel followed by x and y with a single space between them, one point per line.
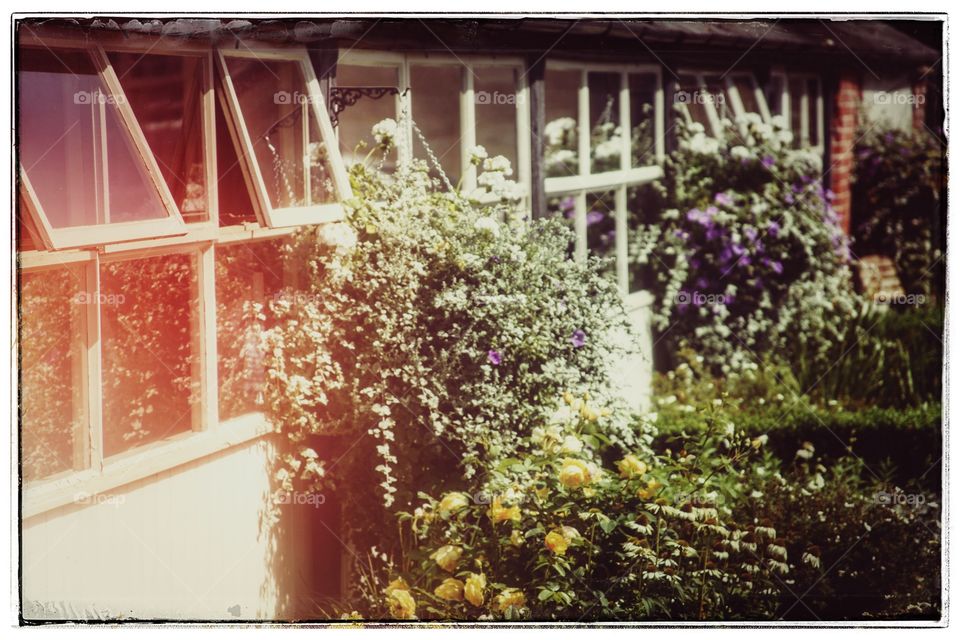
pixel 751 234
pixel 790 199
pixel 723 199
pixel 768 162
pixel 777 267
pixel 888 137
pixel 694 263
pixel 578 338
pixel 594 217
pixel 773 228
pixel 702 283
pixel 494 357
pixel 713 232
pixel 568 204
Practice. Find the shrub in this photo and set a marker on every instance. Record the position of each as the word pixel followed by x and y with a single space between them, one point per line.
pixel 435 332
pixel 896 207
pixel 746 256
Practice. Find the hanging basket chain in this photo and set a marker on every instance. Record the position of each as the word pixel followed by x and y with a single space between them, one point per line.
pixel 431 156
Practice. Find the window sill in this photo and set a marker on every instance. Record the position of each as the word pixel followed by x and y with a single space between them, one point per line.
pixel 81 488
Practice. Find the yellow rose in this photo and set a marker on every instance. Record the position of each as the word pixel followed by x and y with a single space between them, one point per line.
pixel 452 503
pixel 568 397
pixel 574 473
pixel 652 487
pixel 447 557
pixel 402 605
pixel 500 513
pixel 473 589
pixel 516 539
pixel 510 598
pixel 450 589
pixel 398 584
pixel 556 542
pixel 631 466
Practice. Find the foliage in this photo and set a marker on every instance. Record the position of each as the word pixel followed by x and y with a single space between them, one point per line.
pixel 896 205
pixel 434 332
pixel 553 534
pixel 745 256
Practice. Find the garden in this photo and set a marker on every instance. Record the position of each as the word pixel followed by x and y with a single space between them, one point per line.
pixel 789 467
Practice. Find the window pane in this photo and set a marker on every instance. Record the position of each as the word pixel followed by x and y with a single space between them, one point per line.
pixel 602 228
pixel 248 276
pixel 746 89
pixel 165 93
pixel 74 147
pixel 52 338
pixel 495 96
pixel 605 132
pixel 775 95
pixel 149 328
pixel 357 120
pixel 560 154
pixel 813 91
pixel 436 111
pixel 693 98
pixel 233 195
pixel 643 208
pixel 797 89
pixel 717 95
pixel 289 149
pixel 643 143
pixel 565 207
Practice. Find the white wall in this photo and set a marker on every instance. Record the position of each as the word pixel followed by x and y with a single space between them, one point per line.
pixel 888 102
pixel 190 543
pixel 633 372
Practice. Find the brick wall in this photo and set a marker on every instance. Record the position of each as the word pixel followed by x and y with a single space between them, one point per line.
pixel 843 135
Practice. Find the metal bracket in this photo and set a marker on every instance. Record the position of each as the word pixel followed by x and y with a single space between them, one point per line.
pixel 343 97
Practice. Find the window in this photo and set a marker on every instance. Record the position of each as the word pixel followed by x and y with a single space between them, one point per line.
pixel 710 99
pixel 281 126
pixel 171 96
pixel 86 173
pixel 799 100
pixel 456 103
pixel 603 137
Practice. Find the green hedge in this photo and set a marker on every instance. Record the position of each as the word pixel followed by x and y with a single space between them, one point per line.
pixel 907 443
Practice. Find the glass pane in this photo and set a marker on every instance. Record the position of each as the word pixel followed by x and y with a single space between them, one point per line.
pixel 605 133
pixel 775 95
pixel 643 94
pixel 797 89
pixel 643 208
pixel 74 147
pixel 495 94
pixel 602 228
pixel 248 276
pixel 436 111
pixel 560 131
pixel 149 328
pixel 565 207
pixel 233 195
pixel 813 91
pixel 692 98
pixel 717 95
pixel 52 334
pixel 748 96
pixel 165 93
pixel 277 110
pixel 357 120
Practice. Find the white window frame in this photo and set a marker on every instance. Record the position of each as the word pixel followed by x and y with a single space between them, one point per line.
pixel 211 434
pixel 89 235
pixel 618 181
pixel 732 93
pixel 266 212
pixel 468 113
pixel 802 136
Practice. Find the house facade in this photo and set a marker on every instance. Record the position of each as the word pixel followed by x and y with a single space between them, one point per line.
pixel 163 162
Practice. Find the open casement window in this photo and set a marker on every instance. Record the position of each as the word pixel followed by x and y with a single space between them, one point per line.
pixel 87 175
pixel 289 155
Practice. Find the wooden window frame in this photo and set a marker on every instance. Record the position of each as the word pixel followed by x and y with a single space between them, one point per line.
pixel 467 98
pixel 104 233
pixel 618 181
pixel 786 106
pixel 267 214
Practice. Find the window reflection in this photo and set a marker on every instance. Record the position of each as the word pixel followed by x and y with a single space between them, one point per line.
pixel 560 131
pixel 436 111
pixel 357 121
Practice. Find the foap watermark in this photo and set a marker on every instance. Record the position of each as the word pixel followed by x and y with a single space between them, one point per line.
pixel 300 498
pixel 911 299
pixel 700 299
pixel 698 97
pixel 898 98
pixel 96 97
pixel 292 97
pixel 85 497
pixel 899 498
pixel 296 298
pixel 497 98
pixel 102 299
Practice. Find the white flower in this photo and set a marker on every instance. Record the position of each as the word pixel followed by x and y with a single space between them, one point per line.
pixel 488 225
pixel 499 164
pixel 571 444
pixel 478 154
pixel 740 152
pixel 385 132
pixel 556 130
